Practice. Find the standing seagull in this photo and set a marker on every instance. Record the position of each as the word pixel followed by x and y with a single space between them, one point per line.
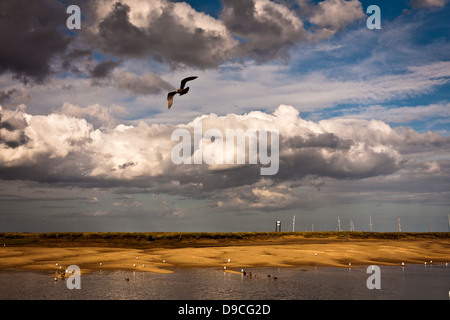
pixel 181 91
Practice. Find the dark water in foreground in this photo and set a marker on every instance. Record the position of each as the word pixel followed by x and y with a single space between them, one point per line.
pixel 317 283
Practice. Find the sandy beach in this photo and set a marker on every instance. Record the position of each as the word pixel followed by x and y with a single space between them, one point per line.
pixel 288 251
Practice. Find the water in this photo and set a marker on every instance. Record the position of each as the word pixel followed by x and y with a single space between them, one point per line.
pixel 311 283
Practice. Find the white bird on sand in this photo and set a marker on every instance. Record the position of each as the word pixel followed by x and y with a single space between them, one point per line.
pixel 229 260
pixel 182 90
pixel 403 263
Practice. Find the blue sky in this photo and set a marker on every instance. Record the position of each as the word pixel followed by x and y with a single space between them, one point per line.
pixel 364 115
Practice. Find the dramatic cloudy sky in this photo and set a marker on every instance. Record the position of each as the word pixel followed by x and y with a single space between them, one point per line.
pixel 363 115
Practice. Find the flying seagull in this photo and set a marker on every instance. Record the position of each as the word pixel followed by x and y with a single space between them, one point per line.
pixel 181 91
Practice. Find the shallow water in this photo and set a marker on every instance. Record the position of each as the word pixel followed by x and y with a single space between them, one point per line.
pixel 312 283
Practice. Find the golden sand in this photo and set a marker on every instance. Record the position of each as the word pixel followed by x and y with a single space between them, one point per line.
pixel 262 253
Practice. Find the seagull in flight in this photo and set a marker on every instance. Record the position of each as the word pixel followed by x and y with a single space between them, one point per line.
pixel 181 91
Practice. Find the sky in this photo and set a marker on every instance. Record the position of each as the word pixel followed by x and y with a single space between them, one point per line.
pixel 363 115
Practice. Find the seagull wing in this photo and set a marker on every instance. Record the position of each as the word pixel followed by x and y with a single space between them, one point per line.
pixel 183 82
pixel 170 98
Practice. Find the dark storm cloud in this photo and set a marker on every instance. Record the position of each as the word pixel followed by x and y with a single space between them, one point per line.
pixel 119 36
pixel 39 43
pixel 104 68
pixel 30 37
pixel 71 59
pixel 165 38
pixel 266 34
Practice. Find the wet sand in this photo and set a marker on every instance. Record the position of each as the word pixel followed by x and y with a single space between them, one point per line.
pixel 286 252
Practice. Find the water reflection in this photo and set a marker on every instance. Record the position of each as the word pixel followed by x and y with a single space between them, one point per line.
pixel 410 282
